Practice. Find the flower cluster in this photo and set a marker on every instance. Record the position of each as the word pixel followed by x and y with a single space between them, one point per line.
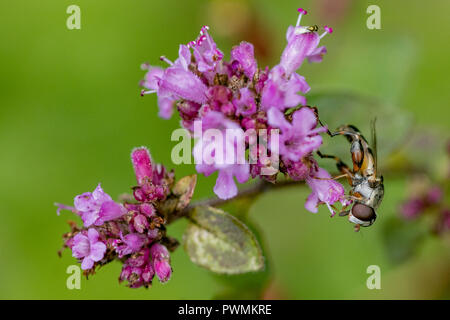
pixel 237 94
pixel 427 198
pixel 133 231
pixel 431 202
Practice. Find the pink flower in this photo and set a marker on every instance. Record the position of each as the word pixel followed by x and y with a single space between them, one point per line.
pixel 302 43
pixel 182 84
pixel 138 270
pixel 245 56
pixel 207 150
pixel 149 178
pixel 299 46
pixel 132 243
pixel 152 77
pixel 434 195
pixel 89 248
pixel 161 262
pixel 245 105
pixel 184 57
pixel 417 205
pixel 97 207
pixel 298 138
pixel 237 95
pixel 300 170
pixel 206 52
pixel 151 82
pixel 412 208
pixel 324 190
pixel 281 92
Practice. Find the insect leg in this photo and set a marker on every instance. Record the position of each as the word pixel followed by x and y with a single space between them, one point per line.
pixel 349 131
pixel 316 112
pixel 342 167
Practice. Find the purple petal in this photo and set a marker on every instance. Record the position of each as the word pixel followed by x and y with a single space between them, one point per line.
pixel 225 187
pixel 93 235
pixel 134 241
pixel 152 78
pixel 111 210
pixel 311 202
pixel 183 84
pixel 97 251
pixel 87 263
pixel 328 191
pixel 300 82
pixel 241 172
pixel 244 54
pixel 184 57
pixel 163 270
pixel 245 105
pixel 99 195
pixel 84 202
pixel 89 217
pixel 81 246
pixel 277 120
pixel 297 49
pixel 159 252
pixel 304 119
pixel 317 54
pixel 166 106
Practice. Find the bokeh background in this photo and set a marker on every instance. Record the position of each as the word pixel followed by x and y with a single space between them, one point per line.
pixel 70 113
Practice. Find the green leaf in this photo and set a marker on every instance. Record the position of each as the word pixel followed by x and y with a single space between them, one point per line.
pixel 221 243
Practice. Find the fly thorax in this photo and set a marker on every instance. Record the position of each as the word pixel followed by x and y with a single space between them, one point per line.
pixel 363 188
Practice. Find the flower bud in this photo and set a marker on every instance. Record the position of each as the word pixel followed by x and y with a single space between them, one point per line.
pixel 161 264
pixel 163 270
pixel 140 223
pixel 147 209
pixel 142 164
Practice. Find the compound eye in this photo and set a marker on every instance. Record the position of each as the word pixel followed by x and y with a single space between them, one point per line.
pixel 363 212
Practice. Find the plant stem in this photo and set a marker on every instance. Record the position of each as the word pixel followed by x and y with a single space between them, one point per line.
pixel 252 191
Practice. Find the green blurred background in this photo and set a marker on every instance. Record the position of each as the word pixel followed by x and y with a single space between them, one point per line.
pixel 70 113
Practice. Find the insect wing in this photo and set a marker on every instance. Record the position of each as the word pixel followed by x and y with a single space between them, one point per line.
pixel 336 109
pixel 373 146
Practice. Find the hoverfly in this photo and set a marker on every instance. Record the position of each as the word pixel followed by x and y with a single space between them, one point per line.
pixel 367 188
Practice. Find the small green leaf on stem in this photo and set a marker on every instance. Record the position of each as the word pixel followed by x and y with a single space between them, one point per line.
pixel 221 243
